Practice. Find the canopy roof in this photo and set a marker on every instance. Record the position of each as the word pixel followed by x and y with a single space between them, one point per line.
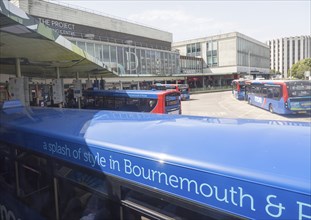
pixel 40 49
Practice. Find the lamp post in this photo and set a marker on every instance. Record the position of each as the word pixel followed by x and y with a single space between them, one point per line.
pixel 249 63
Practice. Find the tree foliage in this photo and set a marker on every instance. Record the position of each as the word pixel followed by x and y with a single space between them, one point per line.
pixel 299 68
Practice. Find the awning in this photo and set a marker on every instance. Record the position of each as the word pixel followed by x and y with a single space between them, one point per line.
pixel 40 49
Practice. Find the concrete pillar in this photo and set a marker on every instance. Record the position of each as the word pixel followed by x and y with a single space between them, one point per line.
pixel 121 85
pixel 57 73
pixel 79 98
pixel 18 68
pixel 138 86
pixel 60 105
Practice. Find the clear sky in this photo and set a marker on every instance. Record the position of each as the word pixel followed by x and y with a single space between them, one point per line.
pixel 261 20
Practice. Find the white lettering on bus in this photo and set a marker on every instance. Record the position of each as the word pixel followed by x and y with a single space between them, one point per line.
pixel 258 99
pixel 7 214
pixel 301 214
pixel 234 196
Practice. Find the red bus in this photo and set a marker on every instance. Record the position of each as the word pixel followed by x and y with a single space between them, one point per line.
pixel 153 101
pixel 182 88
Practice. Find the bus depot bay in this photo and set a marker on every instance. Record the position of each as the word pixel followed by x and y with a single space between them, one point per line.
pixel 73 164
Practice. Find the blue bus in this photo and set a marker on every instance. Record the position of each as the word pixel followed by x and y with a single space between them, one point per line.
pixel 91 164
pixel 238 89
pixel 164 102
pixel 280 96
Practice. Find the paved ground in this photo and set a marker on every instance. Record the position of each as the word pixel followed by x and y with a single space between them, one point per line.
pixel 223 104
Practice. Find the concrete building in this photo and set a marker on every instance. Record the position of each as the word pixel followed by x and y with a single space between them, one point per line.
pixel 141 55
pixel 227 56
pixel 136 53
pixel 284 52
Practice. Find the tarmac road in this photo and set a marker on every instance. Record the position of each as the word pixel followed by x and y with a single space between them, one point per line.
pixel 224 105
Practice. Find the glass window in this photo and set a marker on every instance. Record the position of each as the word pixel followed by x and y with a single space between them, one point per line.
pixel 209 61
pixel 120 56
pixel 188 48
pixel 36 184
pixel 81 45
pixel 193 49
pixel 145 206
pixel 215 61
pixel 98 52
pixel 90 49
pixel 113 53
pixel 106 54
pixel 143 61
pixel 7 168
pixel 82 196
pixel 152 61
pixel 148 62
pixel 198 47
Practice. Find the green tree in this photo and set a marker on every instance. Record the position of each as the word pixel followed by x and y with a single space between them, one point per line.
pixel 299 68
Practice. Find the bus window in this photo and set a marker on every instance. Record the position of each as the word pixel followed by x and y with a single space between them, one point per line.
pixel 140 205
pixel 182 88
pixel 277 93
pixel 153 101
pixel 172 103
pixel 84 196
pixel 36 185
pixel 300 89
pixel 7 173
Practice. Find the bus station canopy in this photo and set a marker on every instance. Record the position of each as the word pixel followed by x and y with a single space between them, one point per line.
pixel 40 49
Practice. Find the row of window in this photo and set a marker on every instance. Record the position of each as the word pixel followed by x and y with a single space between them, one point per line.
pixel 194 49
pixel 132 60
pixel 274 92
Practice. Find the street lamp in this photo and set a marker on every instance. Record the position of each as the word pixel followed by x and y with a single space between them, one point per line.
pixel 249 63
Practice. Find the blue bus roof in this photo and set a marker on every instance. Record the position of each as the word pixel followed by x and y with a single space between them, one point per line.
pixel 278 81
pixel 262 161
pixel 152 94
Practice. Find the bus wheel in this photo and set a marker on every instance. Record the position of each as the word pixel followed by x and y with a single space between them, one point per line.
pixel 270 108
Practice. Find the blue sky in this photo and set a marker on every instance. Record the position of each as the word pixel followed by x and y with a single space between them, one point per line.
pixel 262 20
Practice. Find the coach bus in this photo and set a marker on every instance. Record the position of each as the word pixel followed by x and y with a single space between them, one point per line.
pixel 133 100
pixel 91 164
pixel 238 89
pixel 281 97
pixel 182 88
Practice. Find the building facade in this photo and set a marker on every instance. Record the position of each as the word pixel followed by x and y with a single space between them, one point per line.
pixel 137 53
pixel 227 56
pixel 284 52
pixel 134 52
